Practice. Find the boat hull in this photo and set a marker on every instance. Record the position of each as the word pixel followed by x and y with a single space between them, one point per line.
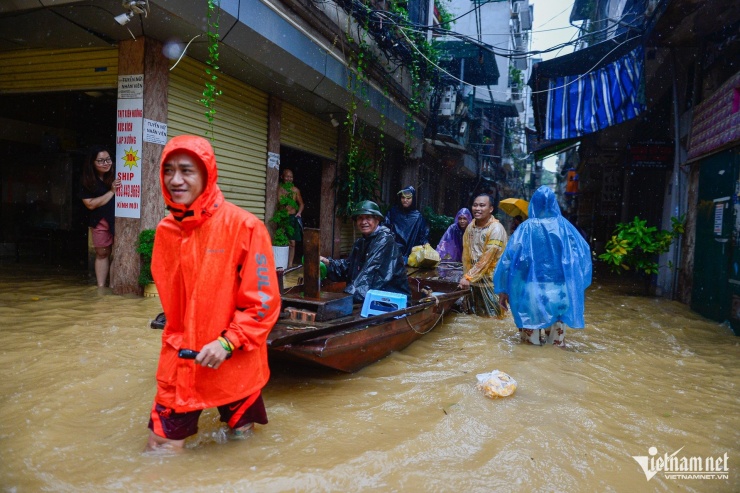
pixel 353 348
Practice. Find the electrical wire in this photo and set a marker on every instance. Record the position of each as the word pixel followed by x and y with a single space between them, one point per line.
pixel 531 92
pixel 184 50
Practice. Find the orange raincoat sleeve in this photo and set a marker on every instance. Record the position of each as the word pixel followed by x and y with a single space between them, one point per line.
pixel 258 297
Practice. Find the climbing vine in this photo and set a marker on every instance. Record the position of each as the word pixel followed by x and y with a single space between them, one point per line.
pixel 211 92
pixel 359 178
pixel 358 181
pixel 403 46
pixel 420 63
pixel 446 18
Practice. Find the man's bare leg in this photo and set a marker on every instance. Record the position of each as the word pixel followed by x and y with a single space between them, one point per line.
pixel 291 253
pixel 157 442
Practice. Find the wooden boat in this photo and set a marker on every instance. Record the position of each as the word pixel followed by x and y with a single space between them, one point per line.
pixel 335 335
pixel 352 342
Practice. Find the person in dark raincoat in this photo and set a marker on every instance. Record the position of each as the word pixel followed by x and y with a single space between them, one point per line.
pixel 406 222
pixel 544 272
pixel 375 261
pixel 451 245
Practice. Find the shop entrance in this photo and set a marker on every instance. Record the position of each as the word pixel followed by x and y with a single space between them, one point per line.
pixel 43 138
pixel 307 177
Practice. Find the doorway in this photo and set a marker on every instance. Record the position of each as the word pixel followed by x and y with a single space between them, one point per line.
pixel 716 287
pixel 307 169
pixel 43 139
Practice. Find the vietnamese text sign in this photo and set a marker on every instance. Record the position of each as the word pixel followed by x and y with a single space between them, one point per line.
pixel 155 132
pixel 131 86
pixel 129 123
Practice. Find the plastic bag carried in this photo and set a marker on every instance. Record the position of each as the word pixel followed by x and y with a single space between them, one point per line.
pixel 496 384
pixel 423 256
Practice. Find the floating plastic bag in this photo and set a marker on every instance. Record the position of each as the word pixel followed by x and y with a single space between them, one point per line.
pixel 423 256
pixel 496 384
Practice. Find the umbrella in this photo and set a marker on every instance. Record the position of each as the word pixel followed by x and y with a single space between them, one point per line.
pixel 515 207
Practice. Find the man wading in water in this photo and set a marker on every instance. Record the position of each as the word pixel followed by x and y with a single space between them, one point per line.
pixel 215 274
pixel 483 243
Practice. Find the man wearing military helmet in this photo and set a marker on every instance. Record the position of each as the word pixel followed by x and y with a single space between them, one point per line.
pixel 375 261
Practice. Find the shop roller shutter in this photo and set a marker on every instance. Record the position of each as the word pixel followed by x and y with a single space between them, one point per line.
pixel 83 69
pixel 240 128
pixel 307 132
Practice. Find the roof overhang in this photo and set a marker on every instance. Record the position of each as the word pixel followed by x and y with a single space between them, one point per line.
pixel 505 109
pixel 477 63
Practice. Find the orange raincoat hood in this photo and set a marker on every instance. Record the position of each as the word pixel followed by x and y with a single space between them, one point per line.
pixel 211 198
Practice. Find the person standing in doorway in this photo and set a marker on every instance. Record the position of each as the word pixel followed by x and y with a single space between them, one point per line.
pixel 290 198
pixel 213 267
pixel 483 243
pixel 98 195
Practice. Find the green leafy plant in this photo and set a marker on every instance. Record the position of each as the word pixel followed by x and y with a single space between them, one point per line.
pixel 144 247
pixel 357 181
pixel 438 224
pixel 446 18
pixel 634 245
pixel 281 219
pixel 210 93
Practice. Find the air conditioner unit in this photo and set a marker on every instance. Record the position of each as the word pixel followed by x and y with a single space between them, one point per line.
pixel 525 18
pixel 449 100
pixel 516 9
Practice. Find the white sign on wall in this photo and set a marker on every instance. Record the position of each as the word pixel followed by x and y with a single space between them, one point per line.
pixel 129 124
pixel 155 132
pixel 131 86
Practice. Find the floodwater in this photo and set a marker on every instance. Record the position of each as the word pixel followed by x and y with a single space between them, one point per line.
pixel 77 381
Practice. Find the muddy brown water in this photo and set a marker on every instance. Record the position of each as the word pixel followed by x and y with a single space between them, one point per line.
pixel 77 381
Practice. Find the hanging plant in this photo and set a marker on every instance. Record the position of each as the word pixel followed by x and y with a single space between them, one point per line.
pixel 446 19
pixel 211 92
pixel 358 181
pixel 421 62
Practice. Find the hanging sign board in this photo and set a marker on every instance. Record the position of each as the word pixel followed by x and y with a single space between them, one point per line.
pixel 129 142
pixel 651 155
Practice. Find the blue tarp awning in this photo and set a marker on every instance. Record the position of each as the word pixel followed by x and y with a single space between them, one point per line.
pixel 589 90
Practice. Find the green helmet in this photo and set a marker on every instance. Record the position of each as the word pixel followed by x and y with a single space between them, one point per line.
pixel 367 207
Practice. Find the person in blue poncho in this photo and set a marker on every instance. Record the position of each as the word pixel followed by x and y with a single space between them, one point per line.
pixel 544 272
pixel 406 222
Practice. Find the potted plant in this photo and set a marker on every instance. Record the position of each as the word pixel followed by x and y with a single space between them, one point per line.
pixel 283 226
pixel 144 248
pixel 635 246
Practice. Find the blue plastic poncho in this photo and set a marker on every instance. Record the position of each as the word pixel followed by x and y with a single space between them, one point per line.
pixel 451 245
pixel 407 225
pixel 545 268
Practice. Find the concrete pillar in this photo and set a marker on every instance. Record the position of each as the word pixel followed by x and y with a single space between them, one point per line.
pixel 141 56
pixel 409 175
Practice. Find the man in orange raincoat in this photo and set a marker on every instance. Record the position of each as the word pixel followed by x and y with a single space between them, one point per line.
pixel 213 267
